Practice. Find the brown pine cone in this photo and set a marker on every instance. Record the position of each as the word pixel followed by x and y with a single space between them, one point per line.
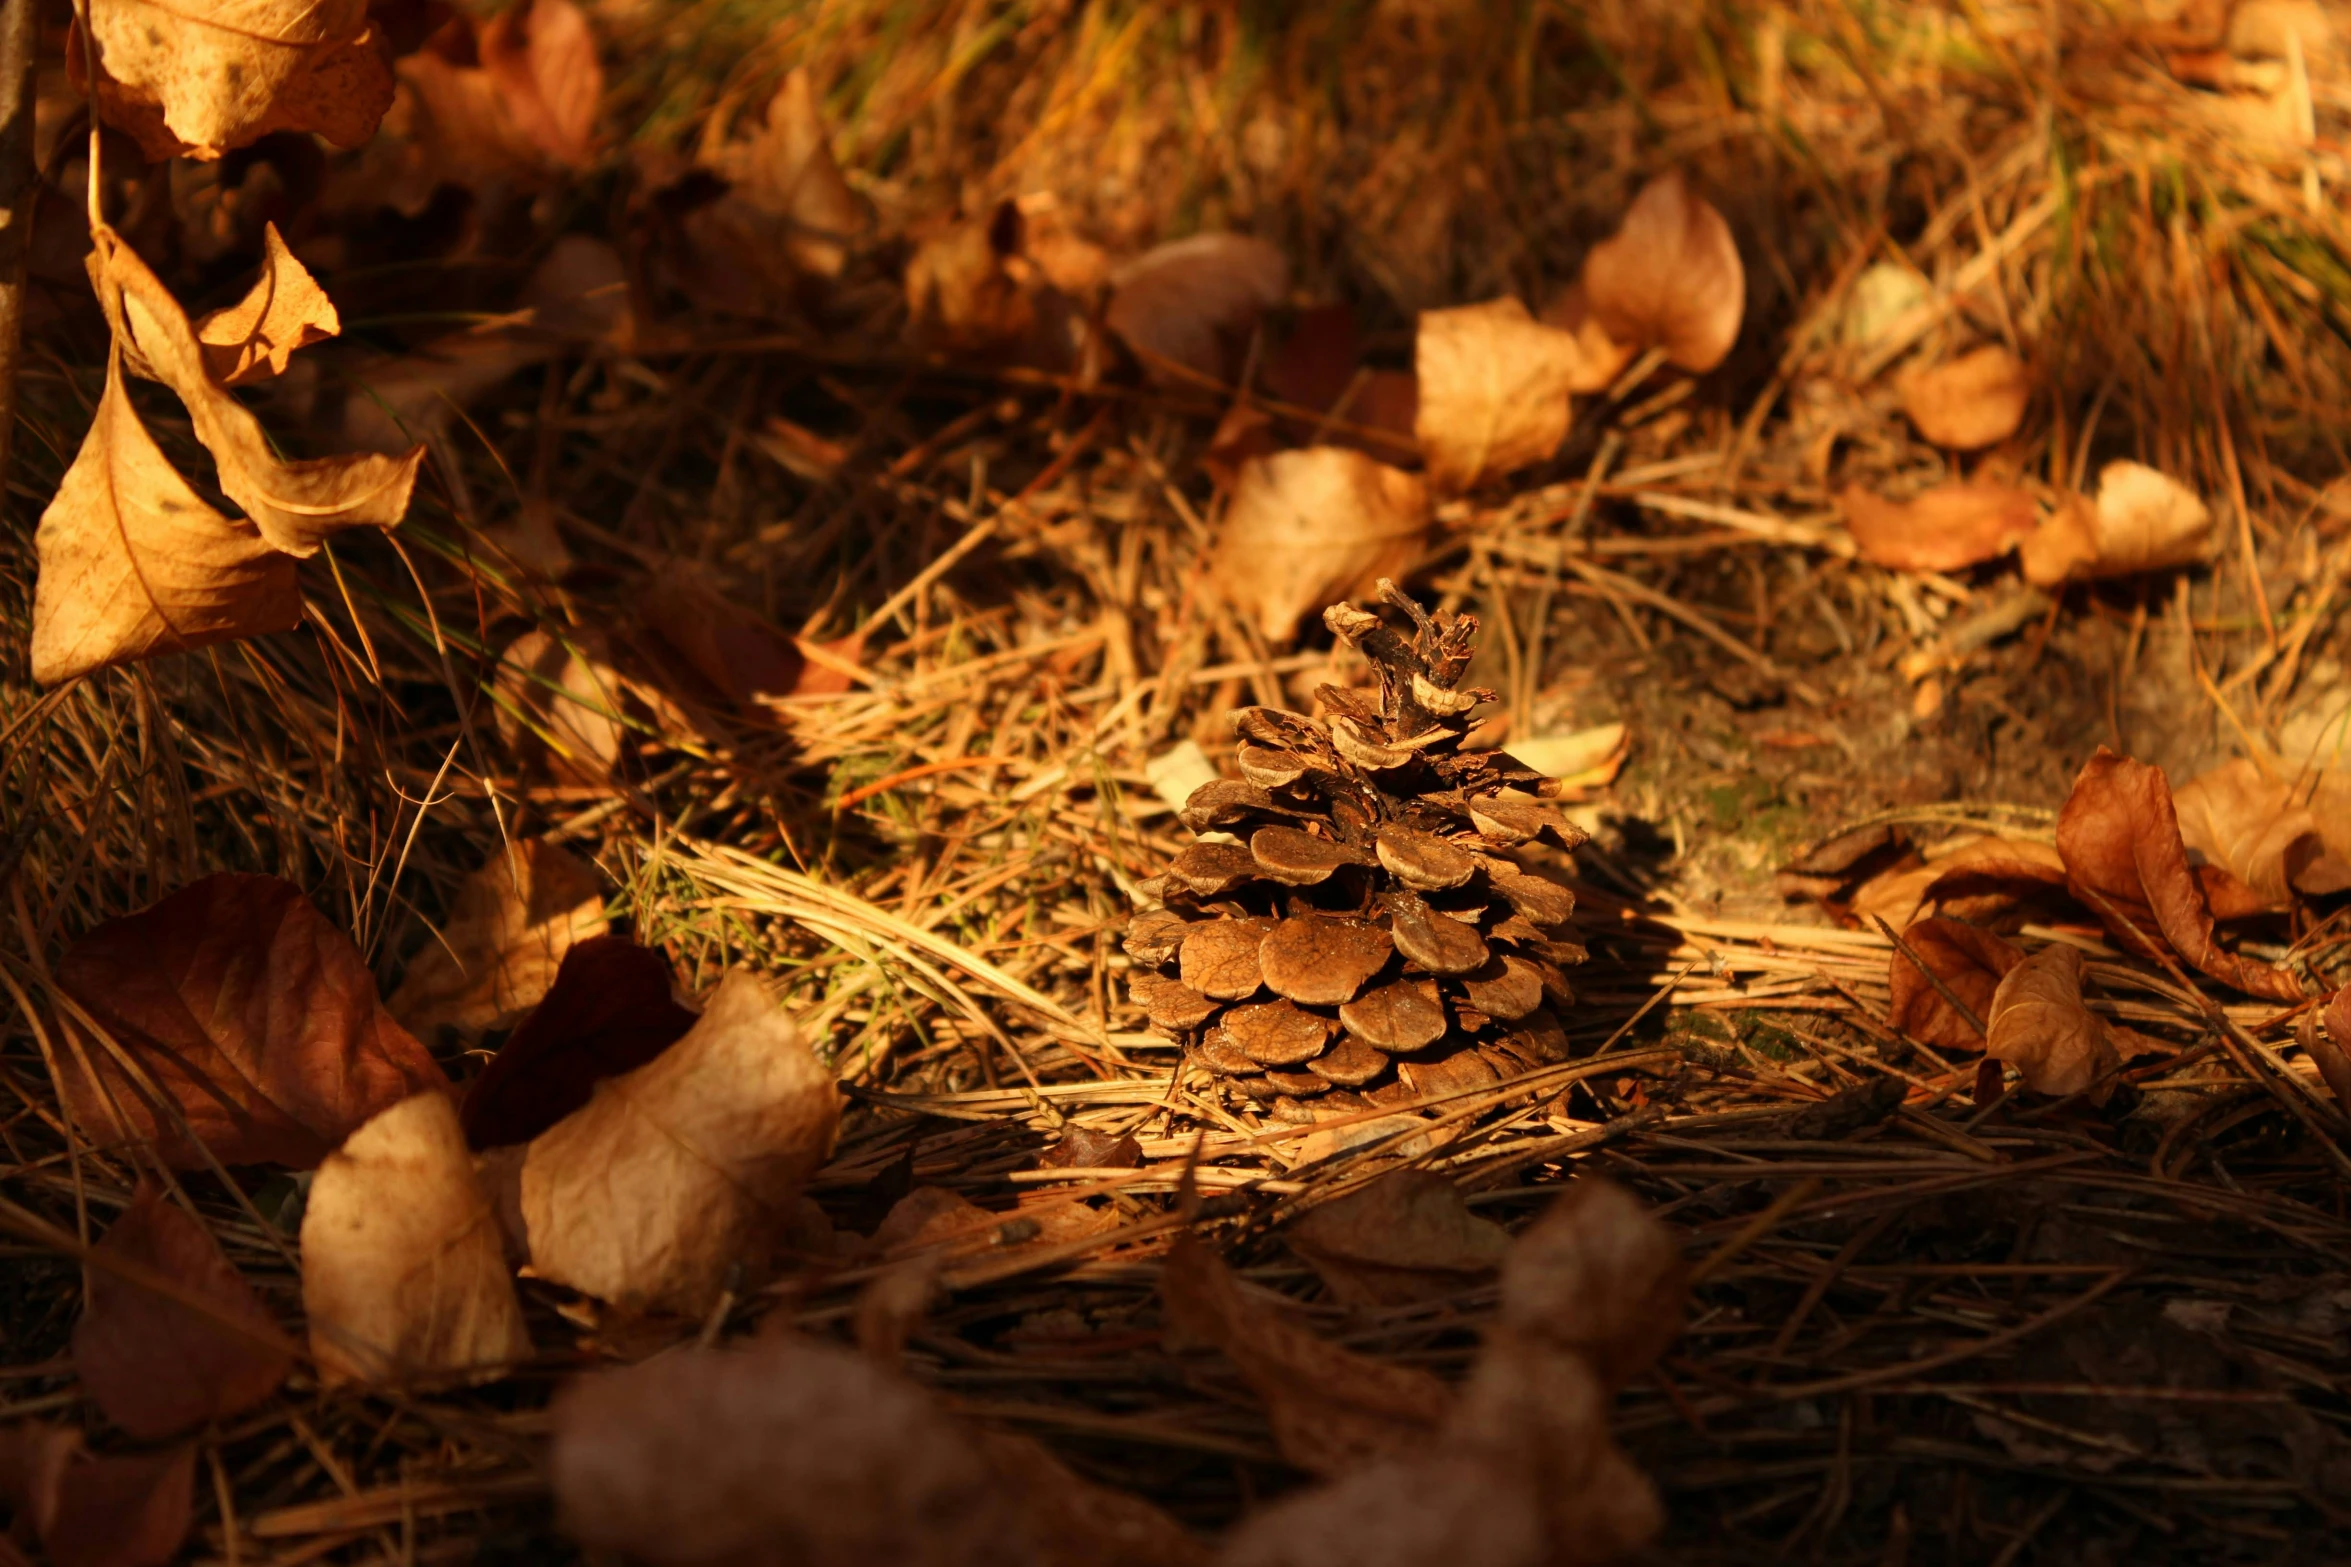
pixel 1343 934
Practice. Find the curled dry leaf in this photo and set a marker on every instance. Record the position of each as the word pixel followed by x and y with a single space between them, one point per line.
pixel 1405 1237
pixel 2277 836
pixel 557 697
pixel 1670 277
pixel 197 79
pixel 1973 401
pixel 251 1014
pixel 609 1011
pixel 1943 529
pixel 541 54
pixel 677 1174
pixel 297 505
pixel 787 216
pixel 1493 389
pixel 1187 308
pixel 2327 1042
pixel 961 294
pixel 403 1267
pixel 1976 879
pixel 2142 520
pixel 2119 836
pixel 1969 961
pixel 1306 528
pixel 2039 1025
pixel 128 1510
pixel 256 337
pixel 1331 1409
pixel 157 1365
pixel 513 921
pixel 132 562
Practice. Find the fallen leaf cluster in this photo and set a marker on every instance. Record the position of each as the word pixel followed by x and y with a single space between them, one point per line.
pixel 2157 870
pixel 620 1145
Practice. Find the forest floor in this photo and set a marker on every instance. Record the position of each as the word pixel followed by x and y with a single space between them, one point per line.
pixel 1965 1323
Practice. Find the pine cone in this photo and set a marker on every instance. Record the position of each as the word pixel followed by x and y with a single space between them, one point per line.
pixel 1342 936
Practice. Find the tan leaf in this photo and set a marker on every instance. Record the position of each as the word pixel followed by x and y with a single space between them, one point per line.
pixel 542 56
pixel 1423 1511
pixel 156 1365
pixel 199 78
pixel 2039 1025
pixel 680 1174
pixel 1969 960
pixel 1332 1410
pixel 1307 528
pixel 1494 386
pixel 791 173
pixel 1600 1276
pixel 128 1510
pixel 404 1271
pixel 284 310
pixel 133 563
pixel 559 695
pixel 1670 277
pixel 1973 401
pixel 2119 836
pixel 1187 308
pixel 2253 827
pixel 1405 1237
pixel 2142 520
pixel 251 1013
pixel 782 1450
pixel 296 505
pixel 1601 357
pixel 507 933
pixel 1579 758
pixel 2327 1042
pixel 1956 524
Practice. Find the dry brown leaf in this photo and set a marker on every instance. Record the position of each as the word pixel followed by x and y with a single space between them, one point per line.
pixel 157 1366
pixel 783 1450
pixel 1597 1275
pixel 541 54
pixel 678 1176
pixel 513 921
pixel 1975 878
pixel 2142 520
pixel 740 653
pixel 1973 401
pixel 1670 277
pixel 1307 528
pixel 1602 357
pixel 133 563
pixel 960 295
pixel 1405 1237
pixel 404 1269
pixel 251 1013
pixel 1187 308
pixel 609 1011
pixel 787 216
pixel 1969 960
pixel 2039 1025
pixel 1331 1409
pixel 200 77
pixel 2277 836
pixel 2328 1044
pixel 130 1510
pixel 1493 388
pixel 284 310
pixel 297 505
pixel 2120 839
pixel 1074 1522
pixel 556 695
pixel 1957 524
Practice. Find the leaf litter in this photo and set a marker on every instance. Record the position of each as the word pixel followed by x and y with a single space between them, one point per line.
pixel 825 544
